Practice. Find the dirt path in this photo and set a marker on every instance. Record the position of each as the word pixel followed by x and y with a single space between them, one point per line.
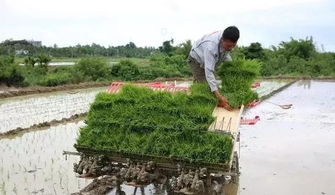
pixel 6 92
pixel 21 131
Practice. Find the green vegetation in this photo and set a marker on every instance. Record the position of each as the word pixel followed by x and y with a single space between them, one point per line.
pixel 130 63
pixel 36 71
pixel 54 79
pixel 291 58
pixel 163 65
pixel 126 70
pixel 10 74
pixel 23 48
pixel 236 78
pixel 86 69
pixel 139 120
pixel 92 69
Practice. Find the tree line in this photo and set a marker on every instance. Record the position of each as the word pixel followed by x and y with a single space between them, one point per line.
pixel 23 48
pixel 296 57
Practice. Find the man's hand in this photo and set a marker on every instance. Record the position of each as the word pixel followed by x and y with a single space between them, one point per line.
pixel 223 102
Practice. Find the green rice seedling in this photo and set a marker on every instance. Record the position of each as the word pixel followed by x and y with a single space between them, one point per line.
pixel 139 120
pixel 236 80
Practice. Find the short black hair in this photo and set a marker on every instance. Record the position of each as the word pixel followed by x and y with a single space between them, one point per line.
pixel 231 33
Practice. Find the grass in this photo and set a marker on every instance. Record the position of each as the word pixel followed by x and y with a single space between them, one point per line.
pixel 141 62
pixel 142 121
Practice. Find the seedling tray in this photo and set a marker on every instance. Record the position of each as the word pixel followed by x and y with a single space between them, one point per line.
pixel 164 163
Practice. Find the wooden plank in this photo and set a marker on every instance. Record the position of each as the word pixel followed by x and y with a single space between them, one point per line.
pixel 226 121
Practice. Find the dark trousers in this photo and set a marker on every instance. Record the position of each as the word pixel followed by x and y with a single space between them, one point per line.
pixel 197 71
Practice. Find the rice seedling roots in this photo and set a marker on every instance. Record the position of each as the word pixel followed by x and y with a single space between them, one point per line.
pixel 110 175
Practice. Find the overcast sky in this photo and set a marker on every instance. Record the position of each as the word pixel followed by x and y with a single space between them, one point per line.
pixel 149 22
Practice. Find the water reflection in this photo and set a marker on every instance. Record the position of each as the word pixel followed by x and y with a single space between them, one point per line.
pixel 291 151
pixel 306 84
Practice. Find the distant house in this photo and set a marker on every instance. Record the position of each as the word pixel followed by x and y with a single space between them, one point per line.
pixel 21 52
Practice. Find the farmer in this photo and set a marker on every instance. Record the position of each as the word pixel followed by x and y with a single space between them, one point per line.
pixel 207 53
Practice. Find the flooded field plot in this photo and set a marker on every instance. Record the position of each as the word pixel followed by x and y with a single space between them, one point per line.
pixel 291 151
pixel 268 86
pixel 33 163
pixel 26 111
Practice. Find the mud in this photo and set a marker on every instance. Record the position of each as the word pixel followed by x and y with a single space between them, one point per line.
pixel 6 92
pixel 101 185
pixel 291 151
pixel 21 131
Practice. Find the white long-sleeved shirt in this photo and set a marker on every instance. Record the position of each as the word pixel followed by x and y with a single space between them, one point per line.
pixel 208 52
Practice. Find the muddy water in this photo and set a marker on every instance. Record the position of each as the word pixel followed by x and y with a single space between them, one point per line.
pixel 33 163
pixel 26 111
pixel 291 151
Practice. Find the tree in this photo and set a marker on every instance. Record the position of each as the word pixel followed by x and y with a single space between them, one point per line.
pixel 30 61
pixel 184 48
pixel 302 48
pixel 8 47
pixel 254 51
pixel 10 73
pixel 43 60
pixel 167 47
pixel 127 70
pixel 92 68
pixel 131 45
pixel 238 53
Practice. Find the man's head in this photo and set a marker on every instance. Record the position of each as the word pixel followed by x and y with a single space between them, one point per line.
pixel 229 38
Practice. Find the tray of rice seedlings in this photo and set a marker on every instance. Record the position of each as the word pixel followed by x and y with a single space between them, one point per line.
pixel 142 124
pixel 236 78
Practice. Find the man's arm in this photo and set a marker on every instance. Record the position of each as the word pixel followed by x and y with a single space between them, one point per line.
pixel 209 65
pixel 223 102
